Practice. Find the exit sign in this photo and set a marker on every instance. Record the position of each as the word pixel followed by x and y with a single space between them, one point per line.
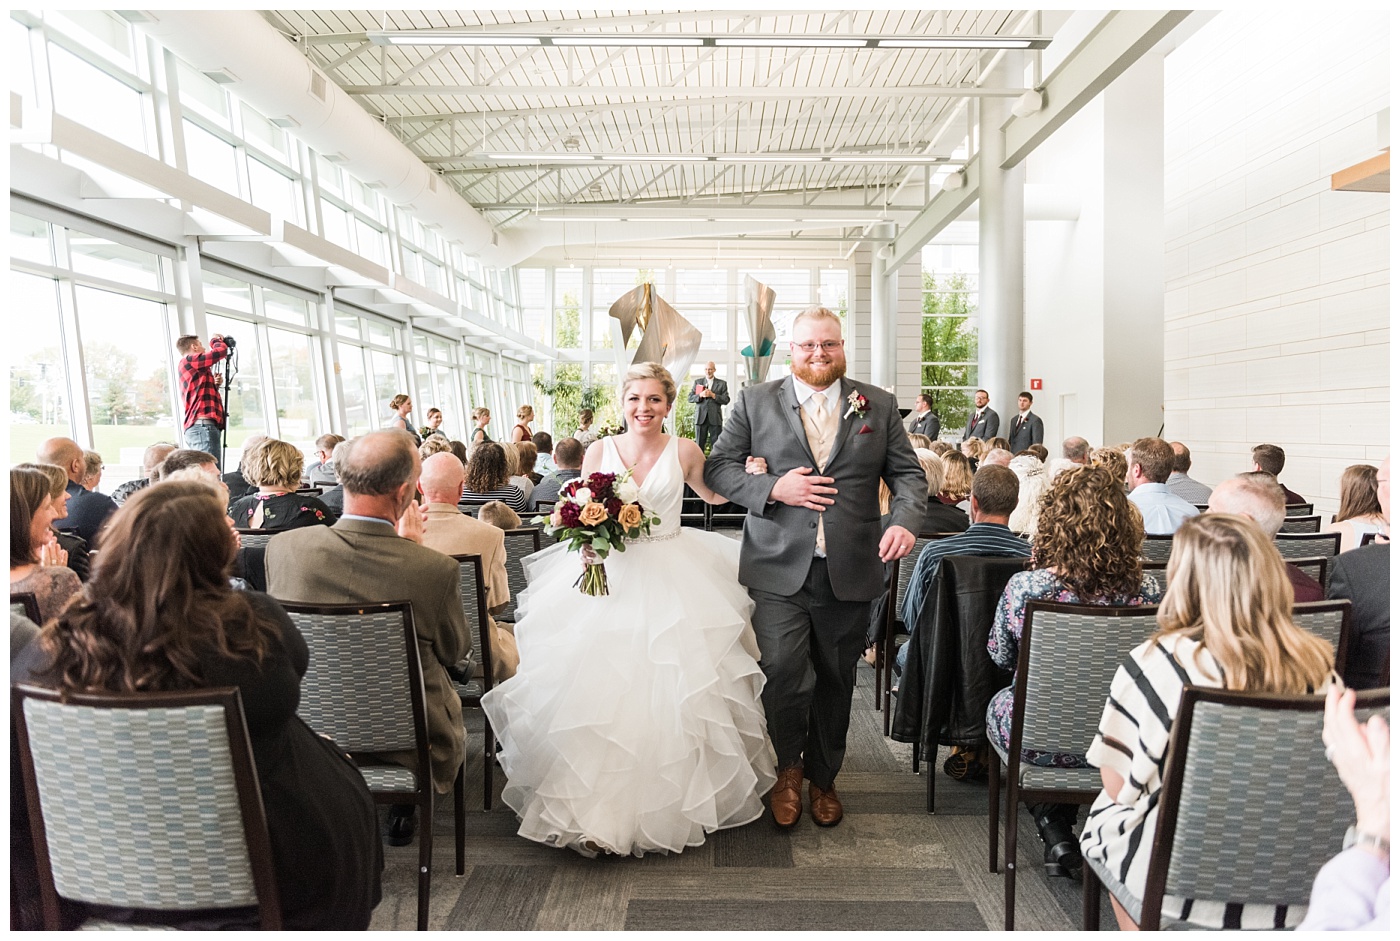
pixel 1036 385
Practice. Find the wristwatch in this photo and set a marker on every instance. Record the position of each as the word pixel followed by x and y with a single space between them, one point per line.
pixel 1365 841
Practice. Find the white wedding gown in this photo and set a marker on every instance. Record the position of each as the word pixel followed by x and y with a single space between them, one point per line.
pixel 634 723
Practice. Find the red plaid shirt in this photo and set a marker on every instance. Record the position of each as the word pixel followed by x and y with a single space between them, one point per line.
pixel 199 387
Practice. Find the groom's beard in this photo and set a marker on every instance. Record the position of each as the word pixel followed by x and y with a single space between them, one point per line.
pixel 819 377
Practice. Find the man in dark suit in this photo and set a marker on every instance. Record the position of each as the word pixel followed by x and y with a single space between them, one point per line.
pixel 709 395
pixel 1026 428
pixel 814 551
pixel 1362 576
pixel 983 423
pixel 924 422
pixel 88 510
pixel 363 558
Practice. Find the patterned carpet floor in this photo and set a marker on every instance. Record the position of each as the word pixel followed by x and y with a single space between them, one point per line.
pixel 887 866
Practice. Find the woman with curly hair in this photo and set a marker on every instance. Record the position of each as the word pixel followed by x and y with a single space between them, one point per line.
pixel 1113 459
pixel 1086 551
pixel 159 615
pixel 488 478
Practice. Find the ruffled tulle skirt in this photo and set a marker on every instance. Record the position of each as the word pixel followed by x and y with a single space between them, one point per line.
pixel 634 723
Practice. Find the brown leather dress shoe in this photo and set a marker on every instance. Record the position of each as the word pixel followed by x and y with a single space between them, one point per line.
pixel 826 806
pixel 786 797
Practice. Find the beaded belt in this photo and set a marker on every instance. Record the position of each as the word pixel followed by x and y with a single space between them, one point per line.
pixel 671 535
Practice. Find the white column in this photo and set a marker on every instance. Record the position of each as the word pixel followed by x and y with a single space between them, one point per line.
pixel 1001 254
pixel 883 290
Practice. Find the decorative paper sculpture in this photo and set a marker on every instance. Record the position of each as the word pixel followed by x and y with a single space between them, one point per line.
pixel 667 337
pixel 758 317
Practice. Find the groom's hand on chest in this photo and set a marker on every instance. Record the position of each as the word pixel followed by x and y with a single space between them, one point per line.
pixel 801 487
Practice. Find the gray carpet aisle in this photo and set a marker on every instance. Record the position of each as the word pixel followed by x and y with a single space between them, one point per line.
pixel 888 866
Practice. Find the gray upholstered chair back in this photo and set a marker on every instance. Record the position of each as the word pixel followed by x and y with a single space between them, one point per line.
pixel 1156 548
pixel 145 800
pixel 1302 524
pixel 1308 545
pixel 519 543
pixel 1298 509
pixel 1073 653
pixel 358 689
pixel 474 602
pixel 1250 807
pixel 253 538
pixel 1330 620
pixel 906 571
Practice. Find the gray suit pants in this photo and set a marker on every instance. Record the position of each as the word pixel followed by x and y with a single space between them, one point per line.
pixel 810 643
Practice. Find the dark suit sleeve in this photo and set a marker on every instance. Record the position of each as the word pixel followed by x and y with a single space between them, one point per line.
pixel 993 424
pixel 1037 431
pixel 724 469
pixel 721 391
pixel 905 478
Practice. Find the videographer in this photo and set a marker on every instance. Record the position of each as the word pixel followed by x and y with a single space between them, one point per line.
pixel 199 387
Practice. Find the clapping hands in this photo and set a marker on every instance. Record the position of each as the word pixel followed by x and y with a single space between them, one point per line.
pixel 51 553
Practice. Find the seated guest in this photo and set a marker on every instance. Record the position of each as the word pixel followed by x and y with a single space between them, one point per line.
pixel 526 485
pixel 1225 622
pixel 182 458
pixel 1352 892
pixel 995 493
pixel 1150 462
pixel 941 448
pixel 150 460
pixel 334 497
pixel 239 485
pixel 939 517
pixel 1033 480
pixel 160 615
pixel 275 466
pixel 434 444
pixel 322 470
pixel 1041 452
pixel 917 441
pixel 544 453
pixel 568 465
pixel 450 531
pixel 459 449
pixel 974 448
pixel 88 510
pixel 1360 510
pixel 92 470
pixel 488 478
pixel 1114 460
pixel 1363 577
pixel 1258 496
pixel 1085 506
pixel 999 443
pixel 1269 458
pixel 998 457
pixel 37 564
pixel 957 479
pixel 1192 491
pixel 526 456
pixel 71 543
pixel 1075 450
pixel 499 515
pixel 364 558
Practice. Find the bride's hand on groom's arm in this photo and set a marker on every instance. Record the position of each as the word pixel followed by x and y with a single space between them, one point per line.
pixel 800 487
pixel 755 465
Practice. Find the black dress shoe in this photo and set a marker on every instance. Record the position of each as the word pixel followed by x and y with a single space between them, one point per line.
pixel 401 829
pixel 1062 856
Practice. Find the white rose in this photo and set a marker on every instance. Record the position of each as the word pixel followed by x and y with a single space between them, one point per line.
pixel 627 491
pixel 582 495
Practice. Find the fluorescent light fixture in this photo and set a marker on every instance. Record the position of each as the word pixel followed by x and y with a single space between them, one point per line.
pixel 768 158
pixel 545 158
pixel 791 42
pixel 430 38
pixel 962 42
pixel 617 39
pixel 887 158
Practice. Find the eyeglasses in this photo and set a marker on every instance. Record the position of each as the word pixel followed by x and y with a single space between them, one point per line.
pixel 827 346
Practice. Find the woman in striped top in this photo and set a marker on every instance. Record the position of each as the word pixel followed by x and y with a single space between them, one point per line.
pixel 488 478
pixel 1226 622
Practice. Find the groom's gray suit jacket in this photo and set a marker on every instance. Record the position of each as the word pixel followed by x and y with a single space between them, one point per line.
pixel 780 540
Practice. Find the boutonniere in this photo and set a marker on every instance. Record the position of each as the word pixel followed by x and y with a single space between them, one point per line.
pixel 858 405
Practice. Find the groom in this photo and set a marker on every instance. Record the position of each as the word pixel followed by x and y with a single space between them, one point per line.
pixel 813 549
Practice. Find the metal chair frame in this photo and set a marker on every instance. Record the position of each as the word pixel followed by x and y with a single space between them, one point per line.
pixel 1302 524
pixel 1156 547
pixel 1298 509
pixel 255 537
pixel 515 569
pixel 478 616
pixel 30 602
pixel 249 793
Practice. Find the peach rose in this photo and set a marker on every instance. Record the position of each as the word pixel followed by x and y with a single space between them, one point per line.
pixel 630 516
pixel 592 513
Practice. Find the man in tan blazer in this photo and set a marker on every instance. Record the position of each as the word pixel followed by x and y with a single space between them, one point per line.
pixel 449 530
pixel 362 558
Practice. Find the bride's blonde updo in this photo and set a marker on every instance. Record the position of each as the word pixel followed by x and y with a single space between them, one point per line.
pixel 654 371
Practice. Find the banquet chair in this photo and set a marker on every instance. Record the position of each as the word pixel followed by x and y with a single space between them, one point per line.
pixel 364 691
pixel 1330 620
pixel 1249 810
pixel 252 538
pixel 1298 509
pixel 901 571
pixel 1066 661
pixel 1302 524
pixel 1295 547
pixel 1156 548
pixel 520 542
pixel 1315 568
pixel 474 687
pixel 117 823
pixel 30 603
pixel 1370 538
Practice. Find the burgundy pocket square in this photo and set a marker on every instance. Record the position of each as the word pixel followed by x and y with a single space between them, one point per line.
pixel 866 430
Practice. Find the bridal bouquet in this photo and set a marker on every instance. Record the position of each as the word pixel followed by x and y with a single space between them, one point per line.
pixel 594 515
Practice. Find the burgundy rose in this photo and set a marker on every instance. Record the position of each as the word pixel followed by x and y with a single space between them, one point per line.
pixel 601 485
pixel 614 507
pixel 568 514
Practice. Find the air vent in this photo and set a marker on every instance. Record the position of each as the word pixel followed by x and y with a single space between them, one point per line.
pixel 318 85
pixel 136 16
pixel 285 121
pixel 222 77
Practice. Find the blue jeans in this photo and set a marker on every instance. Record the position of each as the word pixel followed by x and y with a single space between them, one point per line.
pixel 203 437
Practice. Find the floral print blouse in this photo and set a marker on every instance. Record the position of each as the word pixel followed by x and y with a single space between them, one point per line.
pixel 280 511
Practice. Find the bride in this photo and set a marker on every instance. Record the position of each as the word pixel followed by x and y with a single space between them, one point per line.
pixel 634 723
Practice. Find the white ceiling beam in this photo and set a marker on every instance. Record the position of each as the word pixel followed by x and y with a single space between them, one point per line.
pixel 1120 39
pixel 741 93
pixel 943 209
pixel 565 26
pixel 408 73
pixel 337 62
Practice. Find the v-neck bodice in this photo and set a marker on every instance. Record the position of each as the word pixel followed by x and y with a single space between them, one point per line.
pixel 664 488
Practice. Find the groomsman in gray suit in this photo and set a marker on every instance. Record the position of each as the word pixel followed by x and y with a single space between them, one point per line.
pixel 709 396
pixel 924 421
pixel 814 551
pixel 1026 428
pixel 983 422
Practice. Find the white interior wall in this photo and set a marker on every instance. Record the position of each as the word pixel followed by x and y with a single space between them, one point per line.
pixel 1277 316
